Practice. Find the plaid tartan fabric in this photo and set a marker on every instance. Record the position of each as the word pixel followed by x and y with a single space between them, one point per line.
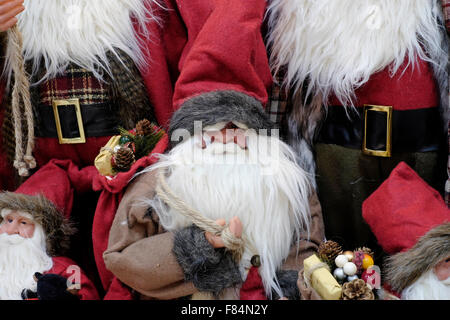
pixel 279 104
pixel 125 91
pixel 129 91
pixel 74 83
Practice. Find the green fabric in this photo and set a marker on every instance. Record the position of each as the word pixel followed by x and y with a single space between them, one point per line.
pixel 346 177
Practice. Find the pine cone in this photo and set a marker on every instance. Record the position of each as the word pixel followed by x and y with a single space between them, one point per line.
pixel 366 251
pixel 144 128
pixel 357 290
pixel 124 159
pixel 329 250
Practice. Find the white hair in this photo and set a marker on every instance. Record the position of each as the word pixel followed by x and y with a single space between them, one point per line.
pixel 428 287
pixel 20 259
pixel 262 185
pixel 56 33
pixel 335 46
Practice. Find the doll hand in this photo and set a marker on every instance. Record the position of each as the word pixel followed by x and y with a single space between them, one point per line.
pixel 8 11
pixel 235 228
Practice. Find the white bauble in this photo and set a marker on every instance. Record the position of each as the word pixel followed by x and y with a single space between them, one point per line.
pixel 339 274
pixel 350 269
pixel 341 260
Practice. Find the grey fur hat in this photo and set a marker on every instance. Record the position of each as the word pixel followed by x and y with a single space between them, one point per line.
pixel 219 106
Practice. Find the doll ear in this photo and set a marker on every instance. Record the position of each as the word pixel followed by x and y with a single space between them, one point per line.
pixel 73 289
pixel 37 276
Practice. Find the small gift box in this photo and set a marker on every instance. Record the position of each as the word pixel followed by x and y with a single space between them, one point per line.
pixel 317 275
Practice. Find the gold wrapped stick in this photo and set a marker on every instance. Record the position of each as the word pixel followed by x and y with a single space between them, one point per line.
pixel 318 276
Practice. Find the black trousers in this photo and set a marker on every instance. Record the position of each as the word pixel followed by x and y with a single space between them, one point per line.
pixel 346 177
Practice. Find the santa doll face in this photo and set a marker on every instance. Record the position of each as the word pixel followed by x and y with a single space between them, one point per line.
pixel 16 223
pixel 442 269
pixel 23 248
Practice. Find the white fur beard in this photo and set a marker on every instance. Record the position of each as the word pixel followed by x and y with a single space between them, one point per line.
pixel 21 259
pixel 428 287
pixel 56 33
pixel 263 186
pixel 337 45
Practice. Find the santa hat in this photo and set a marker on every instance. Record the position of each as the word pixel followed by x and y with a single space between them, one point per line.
pixel 47 196
pixel 411 223
pixel 223 78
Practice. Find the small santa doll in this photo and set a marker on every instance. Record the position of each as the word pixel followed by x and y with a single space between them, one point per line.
pixel 412 224
pixel 34 236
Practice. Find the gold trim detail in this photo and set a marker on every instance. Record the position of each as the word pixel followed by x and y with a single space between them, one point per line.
pixel 76 104
pixel 379 153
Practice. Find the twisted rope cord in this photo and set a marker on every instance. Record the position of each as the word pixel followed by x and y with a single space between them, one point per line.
pixel 21 90
pixel 232 243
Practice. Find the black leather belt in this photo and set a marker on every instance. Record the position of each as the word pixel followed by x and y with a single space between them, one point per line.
pixel 379 130
pixel 71 122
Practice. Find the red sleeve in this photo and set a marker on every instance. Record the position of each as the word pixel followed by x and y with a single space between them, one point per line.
pixel 163 48
pixel 67 268
pixel 225 50
pixel 200 46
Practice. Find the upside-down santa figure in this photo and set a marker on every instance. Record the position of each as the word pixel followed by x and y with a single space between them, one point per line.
pixel 412 223
pixel 368 82
pixel 227 168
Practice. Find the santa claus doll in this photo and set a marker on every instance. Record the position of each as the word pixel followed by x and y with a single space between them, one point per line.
pixel 228 211
pixel 81 63
pixel 412 224
pixel 261 199
pixel 34 237
pixel 368 82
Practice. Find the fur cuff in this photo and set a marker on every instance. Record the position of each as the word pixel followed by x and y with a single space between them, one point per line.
pixel 403 269
pixel 220 106
pixel 210 270
pixel 288 284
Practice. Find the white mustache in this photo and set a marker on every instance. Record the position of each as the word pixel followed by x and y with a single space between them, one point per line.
pixel 446 281
pixel 14 239
pixel 220 148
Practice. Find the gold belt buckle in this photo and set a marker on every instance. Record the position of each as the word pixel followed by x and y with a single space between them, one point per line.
pixel 76 104
pixel 379 153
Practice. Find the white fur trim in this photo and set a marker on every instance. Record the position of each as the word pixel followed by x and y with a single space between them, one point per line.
pixel 5 212
pixel 57 32
pixel 263 186
pixel 337 45
pixel 427 287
